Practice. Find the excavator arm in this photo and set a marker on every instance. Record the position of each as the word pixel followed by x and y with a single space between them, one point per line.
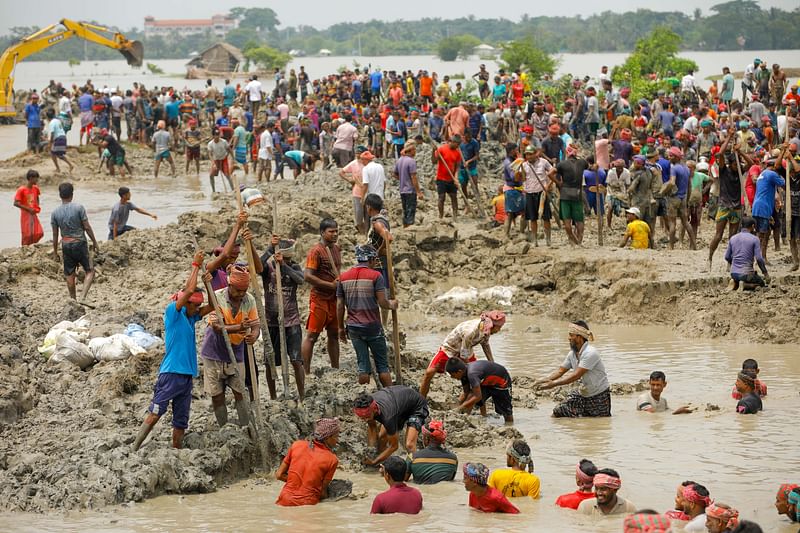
pixel 53 34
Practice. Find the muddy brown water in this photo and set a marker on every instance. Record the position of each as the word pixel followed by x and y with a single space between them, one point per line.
pixel 742 459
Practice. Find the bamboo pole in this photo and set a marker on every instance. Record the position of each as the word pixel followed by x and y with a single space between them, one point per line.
pixel 398 364
pixel 279 299
pixel 262 316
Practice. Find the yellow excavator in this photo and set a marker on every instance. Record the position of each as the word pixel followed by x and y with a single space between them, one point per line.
pixel 54 34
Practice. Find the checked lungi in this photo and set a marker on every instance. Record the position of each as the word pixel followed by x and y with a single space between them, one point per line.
pixel 576 405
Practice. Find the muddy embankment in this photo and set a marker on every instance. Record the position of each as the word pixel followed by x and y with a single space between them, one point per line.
pixel 65 434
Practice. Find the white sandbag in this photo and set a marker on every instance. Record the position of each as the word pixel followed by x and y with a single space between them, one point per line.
pixel 114 348
pixel 70 350
pixel 78 330
pixel 500 294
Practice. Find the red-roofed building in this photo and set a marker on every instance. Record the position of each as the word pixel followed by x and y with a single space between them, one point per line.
pixel 218 25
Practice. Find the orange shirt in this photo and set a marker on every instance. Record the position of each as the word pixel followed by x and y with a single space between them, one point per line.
pixel 426 86
pixel 29 197
pixel 309 469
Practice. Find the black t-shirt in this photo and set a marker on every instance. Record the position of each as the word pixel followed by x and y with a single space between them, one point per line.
pixel 730 190
pixel 486 374
pixel 397 404
pixel 553 147
pixel 571 172
pixel 749 405
pixel 114 147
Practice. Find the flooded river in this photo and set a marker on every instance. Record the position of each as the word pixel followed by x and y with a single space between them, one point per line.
pixel 742 459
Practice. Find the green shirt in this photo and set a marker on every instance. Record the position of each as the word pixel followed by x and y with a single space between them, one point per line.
pixel 433 464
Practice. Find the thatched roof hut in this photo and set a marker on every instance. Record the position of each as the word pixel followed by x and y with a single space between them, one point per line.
pixel 220 57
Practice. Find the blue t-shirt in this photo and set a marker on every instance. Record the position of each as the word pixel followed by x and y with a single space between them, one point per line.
pixel 681 173
pixel 375 80
pixel 296 156
pixel 181 349
pixel 667 119
pixel 665 168
pixel 172 108
pixel 228 95
pixel 356 90
pixel 470 150
pixel 85 102
pixel 764 202
pixel 223 122
pixel 32 114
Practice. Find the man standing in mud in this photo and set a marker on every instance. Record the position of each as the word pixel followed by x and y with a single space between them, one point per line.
pixel 71 220
pixel 179 366
pixel 238 309
pixel 323 264
pixel 583 364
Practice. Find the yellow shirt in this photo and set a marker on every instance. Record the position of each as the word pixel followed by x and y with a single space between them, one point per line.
pixel 638 231
pixel 515 483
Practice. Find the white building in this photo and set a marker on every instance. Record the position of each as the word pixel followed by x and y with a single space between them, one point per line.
pixel 218 25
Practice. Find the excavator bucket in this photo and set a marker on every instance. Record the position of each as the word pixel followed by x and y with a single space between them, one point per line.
pixel 134 53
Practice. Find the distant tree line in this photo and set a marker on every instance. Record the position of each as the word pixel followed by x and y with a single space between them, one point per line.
pixel 733 25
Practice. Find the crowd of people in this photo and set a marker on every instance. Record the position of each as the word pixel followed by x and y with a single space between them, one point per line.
pixel 686 154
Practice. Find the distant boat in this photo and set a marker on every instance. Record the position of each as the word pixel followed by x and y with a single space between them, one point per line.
pixel 297 53
pixel 324 52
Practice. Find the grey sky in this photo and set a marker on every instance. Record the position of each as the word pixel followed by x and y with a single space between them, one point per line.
pixel 126 14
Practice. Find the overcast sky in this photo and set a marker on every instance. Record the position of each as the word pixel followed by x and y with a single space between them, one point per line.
pixel 127 14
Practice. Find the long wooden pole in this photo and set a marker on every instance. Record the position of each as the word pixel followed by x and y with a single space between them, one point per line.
pixel 398 364
pixel 262 315
pixel 598 202
pixel 279 299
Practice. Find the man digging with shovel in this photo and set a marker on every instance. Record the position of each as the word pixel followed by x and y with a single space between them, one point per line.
pixel 179 366
pixel 241 322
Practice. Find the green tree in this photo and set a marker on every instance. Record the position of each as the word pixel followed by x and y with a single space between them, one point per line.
pixel 262 19
pixel 268 58
pixel 524 54
pixel 655 54
pixel 451 48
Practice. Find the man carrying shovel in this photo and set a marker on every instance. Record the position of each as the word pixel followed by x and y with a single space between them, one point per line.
pixel 241 321
pixel 179 366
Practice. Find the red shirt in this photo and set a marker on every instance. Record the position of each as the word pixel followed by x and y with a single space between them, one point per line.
pixel 452 157
pixel 492 502
pixel 399 498
pixel 29 197
pixel 573 499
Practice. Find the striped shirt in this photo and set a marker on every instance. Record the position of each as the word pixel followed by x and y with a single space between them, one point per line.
pixel 358 287
pixel 433 464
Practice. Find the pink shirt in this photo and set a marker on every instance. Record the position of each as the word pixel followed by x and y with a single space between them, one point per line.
pixel 355 168
pixel 601 153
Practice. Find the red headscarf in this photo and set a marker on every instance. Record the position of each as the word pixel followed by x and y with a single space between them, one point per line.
pixel 239 277
pixel 195 298
pixel 435 430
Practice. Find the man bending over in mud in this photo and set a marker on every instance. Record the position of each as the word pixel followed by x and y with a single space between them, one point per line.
pixel 391 407
pixel 179 366
pixel 461 342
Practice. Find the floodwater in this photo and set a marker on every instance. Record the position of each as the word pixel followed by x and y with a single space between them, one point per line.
pixel 164 196
pixel 37 74
pixel 742 459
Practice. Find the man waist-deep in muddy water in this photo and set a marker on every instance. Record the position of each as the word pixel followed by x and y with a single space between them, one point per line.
pixel 309 466
pixel 179 366
pixel 583 363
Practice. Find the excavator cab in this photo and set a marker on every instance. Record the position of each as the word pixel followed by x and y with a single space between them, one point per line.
pixel 134 53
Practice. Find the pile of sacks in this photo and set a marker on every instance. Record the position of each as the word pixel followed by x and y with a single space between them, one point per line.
pixel 69 342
